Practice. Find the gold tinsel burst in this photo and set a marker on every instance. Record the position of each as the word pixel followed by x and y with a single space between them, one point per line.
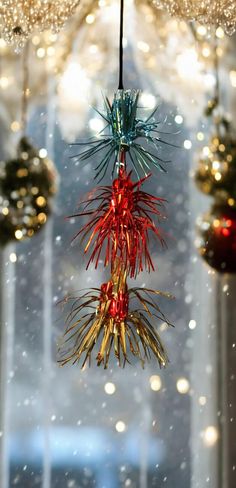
pixel 27 184
pixel 210 12
pixel 19 18
pixel 107 318
pixel 216 171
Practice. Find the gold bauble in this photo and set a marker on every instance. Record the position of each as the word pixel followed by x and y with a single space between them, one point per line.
pixel 27 185
pixel 216 172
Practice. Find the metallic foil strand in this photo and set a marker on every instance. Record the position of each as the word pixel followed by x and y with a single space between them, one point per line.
pixel 124 130
pixel 121 224
pixel 108 319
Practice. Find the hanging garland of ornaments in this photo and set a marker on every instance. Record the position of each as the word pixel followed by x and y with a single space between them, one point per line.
pixel 19 18
pixel 216 176
pixel 27 183
pixel 121 219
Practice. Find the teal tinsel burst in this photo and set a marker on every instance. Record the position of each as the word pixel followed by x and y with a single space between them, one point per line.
pixel 124 130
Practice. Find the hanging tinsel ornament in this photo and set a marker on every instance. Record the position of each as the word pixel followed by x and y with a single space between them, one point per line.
pixel 125 130
pixel 19 18
pixel 114 323
pixel 216 171
pixel 121 223
pixel 217 237
pixel 120 219
pixel 210 12
pixel 27 184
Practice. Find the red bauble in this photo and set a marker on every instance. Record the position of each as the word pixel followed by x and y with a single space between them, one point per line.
pixel 217 232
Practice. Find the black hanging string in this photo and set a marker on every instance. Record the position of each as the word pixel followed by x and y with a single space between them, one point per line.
pixel 121 84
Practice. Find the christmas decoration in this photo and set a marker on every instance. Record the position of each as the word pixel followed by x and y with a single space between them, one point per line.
pixel 210 12
pixel 125 130
pixel 120 218
pixel 216 173
pixel 217 237
pixel 19 18
pixel 121 223
pixel 216 169
pixel 114 322
pixel 27 184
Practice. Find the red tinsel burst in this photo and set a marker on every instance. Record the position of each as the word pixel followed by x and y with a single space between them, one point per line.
pixel 121 223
